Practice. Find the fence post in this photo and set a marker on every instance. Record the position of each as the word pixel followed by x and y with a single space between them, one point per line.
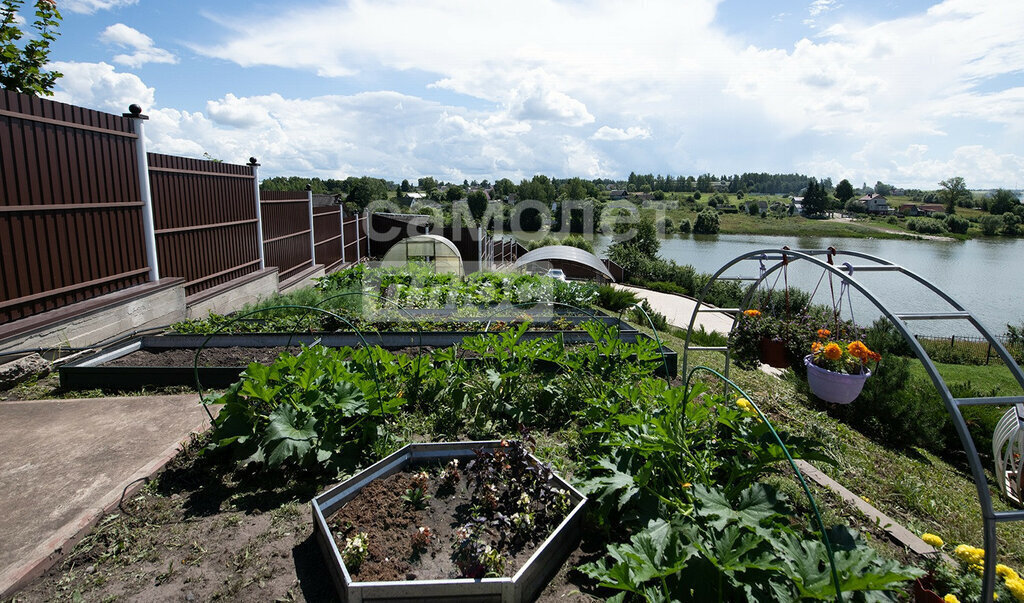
pixel 358 255
pixel 148 227
pixel 259 213
pixel 341 218
pixel 312 227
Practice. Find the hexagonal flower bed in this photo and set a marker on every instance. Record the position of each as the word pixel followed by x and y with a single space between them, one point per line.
pixel 473 520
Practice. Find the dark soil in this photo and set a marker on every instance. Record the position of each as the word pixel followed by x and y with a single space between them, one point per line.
pixel 379 511
pixel 204 532
pixel 233 356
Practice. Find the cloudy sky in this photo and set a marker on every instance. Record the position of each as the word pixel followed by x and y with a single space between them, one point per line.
pixel 909 92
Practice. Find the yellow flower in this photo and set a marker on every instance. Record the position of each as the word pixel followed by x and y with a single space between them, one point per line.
pixel 932 539
pixel 687 485
pixel 1006 572
pixel 744 405
pixel 950 598
pixel 1016 588
pixel 833 351
pixel 752 313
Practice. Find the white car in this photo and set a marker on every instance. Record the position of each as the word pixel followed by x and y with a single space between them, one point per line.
pixel 556 273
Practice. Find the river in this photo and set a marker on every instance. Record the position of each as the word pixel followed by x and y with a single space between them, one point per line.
pixel 981 274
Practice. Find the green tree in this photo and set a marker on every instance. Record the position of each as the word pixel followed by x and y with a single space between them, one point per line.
pixel 1001 202
pixel 952 190
pixel 365 190
pixel 844 191
pixel 22 65
pixel 427 184
pixel 477 202
pixel 504 187
pixel 454 193
pixel 575 188
pixel 815 199
pixel 405 187
pixel 990 224
pixel 706 222
pixel 957 224
pixel 1011 224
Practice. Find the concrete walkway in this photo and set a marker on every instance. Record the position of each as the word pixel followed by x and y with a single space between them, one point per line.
pixel 678 310
pixel 65 463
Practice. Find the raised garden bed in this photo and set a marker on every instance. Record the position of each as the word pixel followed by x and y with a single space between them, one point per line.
pixel 476 542
pixel 167 360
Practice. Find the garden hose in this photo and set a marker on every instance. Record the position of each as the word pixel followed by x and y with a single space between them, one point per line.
pixel 799 475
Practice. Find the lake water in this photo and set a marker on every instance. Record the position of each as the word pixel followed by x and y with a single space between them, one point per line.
pixel 984 275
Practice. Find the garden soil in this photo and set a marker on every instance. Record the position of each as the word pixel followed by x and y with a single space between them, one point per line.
pixel 202 532
pixel 379 511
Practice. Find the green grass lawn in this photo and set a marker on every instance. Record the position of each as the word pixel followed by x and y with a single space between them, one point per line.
pixel 993 377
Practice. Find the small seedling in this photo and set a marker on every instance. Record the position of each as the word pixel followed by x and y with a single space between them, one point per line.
pixel 415 498
pixel 354 552
pixel 450 476
pixel 421 539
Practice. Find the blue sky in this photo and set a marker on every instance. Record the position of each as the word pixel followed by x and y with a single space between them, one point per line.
pixel 907 92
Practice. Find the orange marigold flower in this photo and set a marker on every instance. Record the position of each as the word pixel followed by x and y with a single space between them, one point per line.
pixel 823 333
pixel 874 356
pixel 752 313
pixel 833 351
pixel 857 350
pixel 815 346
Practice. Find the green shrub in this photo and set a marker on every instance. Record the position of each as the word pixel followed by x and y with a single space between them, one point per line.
pixel 656 318
pixel 685 226
pixel 957 224
pixel 990 225
pixel 703 337
pixel 666 287
pixel 615 299
pixel 926 225
pixel 707 222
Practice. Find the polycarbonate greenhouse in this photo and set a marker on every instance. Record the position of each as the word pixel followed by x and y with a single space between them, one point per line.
pixel 437 250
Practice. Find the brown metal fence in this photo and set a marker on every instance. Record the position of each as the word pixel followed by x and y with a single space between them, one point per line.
pixel 70 206
pixel 356 241
pixel 286 231
pixel 205 218
pixel 327 234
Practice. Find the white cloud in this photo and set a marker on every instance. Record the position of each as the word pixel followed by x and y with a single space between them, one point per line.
pixel 91 6
pixel 142 46
pixel 99 86
pixel 522 87
pixel 616 134
pixel 818 7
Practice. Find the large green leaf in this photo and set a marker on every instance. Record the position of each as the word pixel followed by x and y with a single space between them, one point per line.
pixel 289 436
pixel 754 504
pixel 605 486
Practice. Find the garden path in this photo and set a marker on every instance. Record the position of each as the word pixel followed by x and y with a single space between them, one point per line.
pixel 678 310
pixel 67 462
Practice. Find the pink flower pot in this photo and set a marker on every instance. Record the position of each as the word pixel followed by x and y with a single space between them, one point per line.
pixel 837 388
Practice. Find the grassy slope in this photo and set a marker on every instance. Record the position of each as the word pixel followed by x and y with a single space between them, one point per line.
pixel 985 378
pixel 923 492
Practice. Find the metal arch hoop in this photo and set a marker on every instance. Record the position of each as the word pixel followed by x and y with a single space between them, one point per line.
pixel 784 256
